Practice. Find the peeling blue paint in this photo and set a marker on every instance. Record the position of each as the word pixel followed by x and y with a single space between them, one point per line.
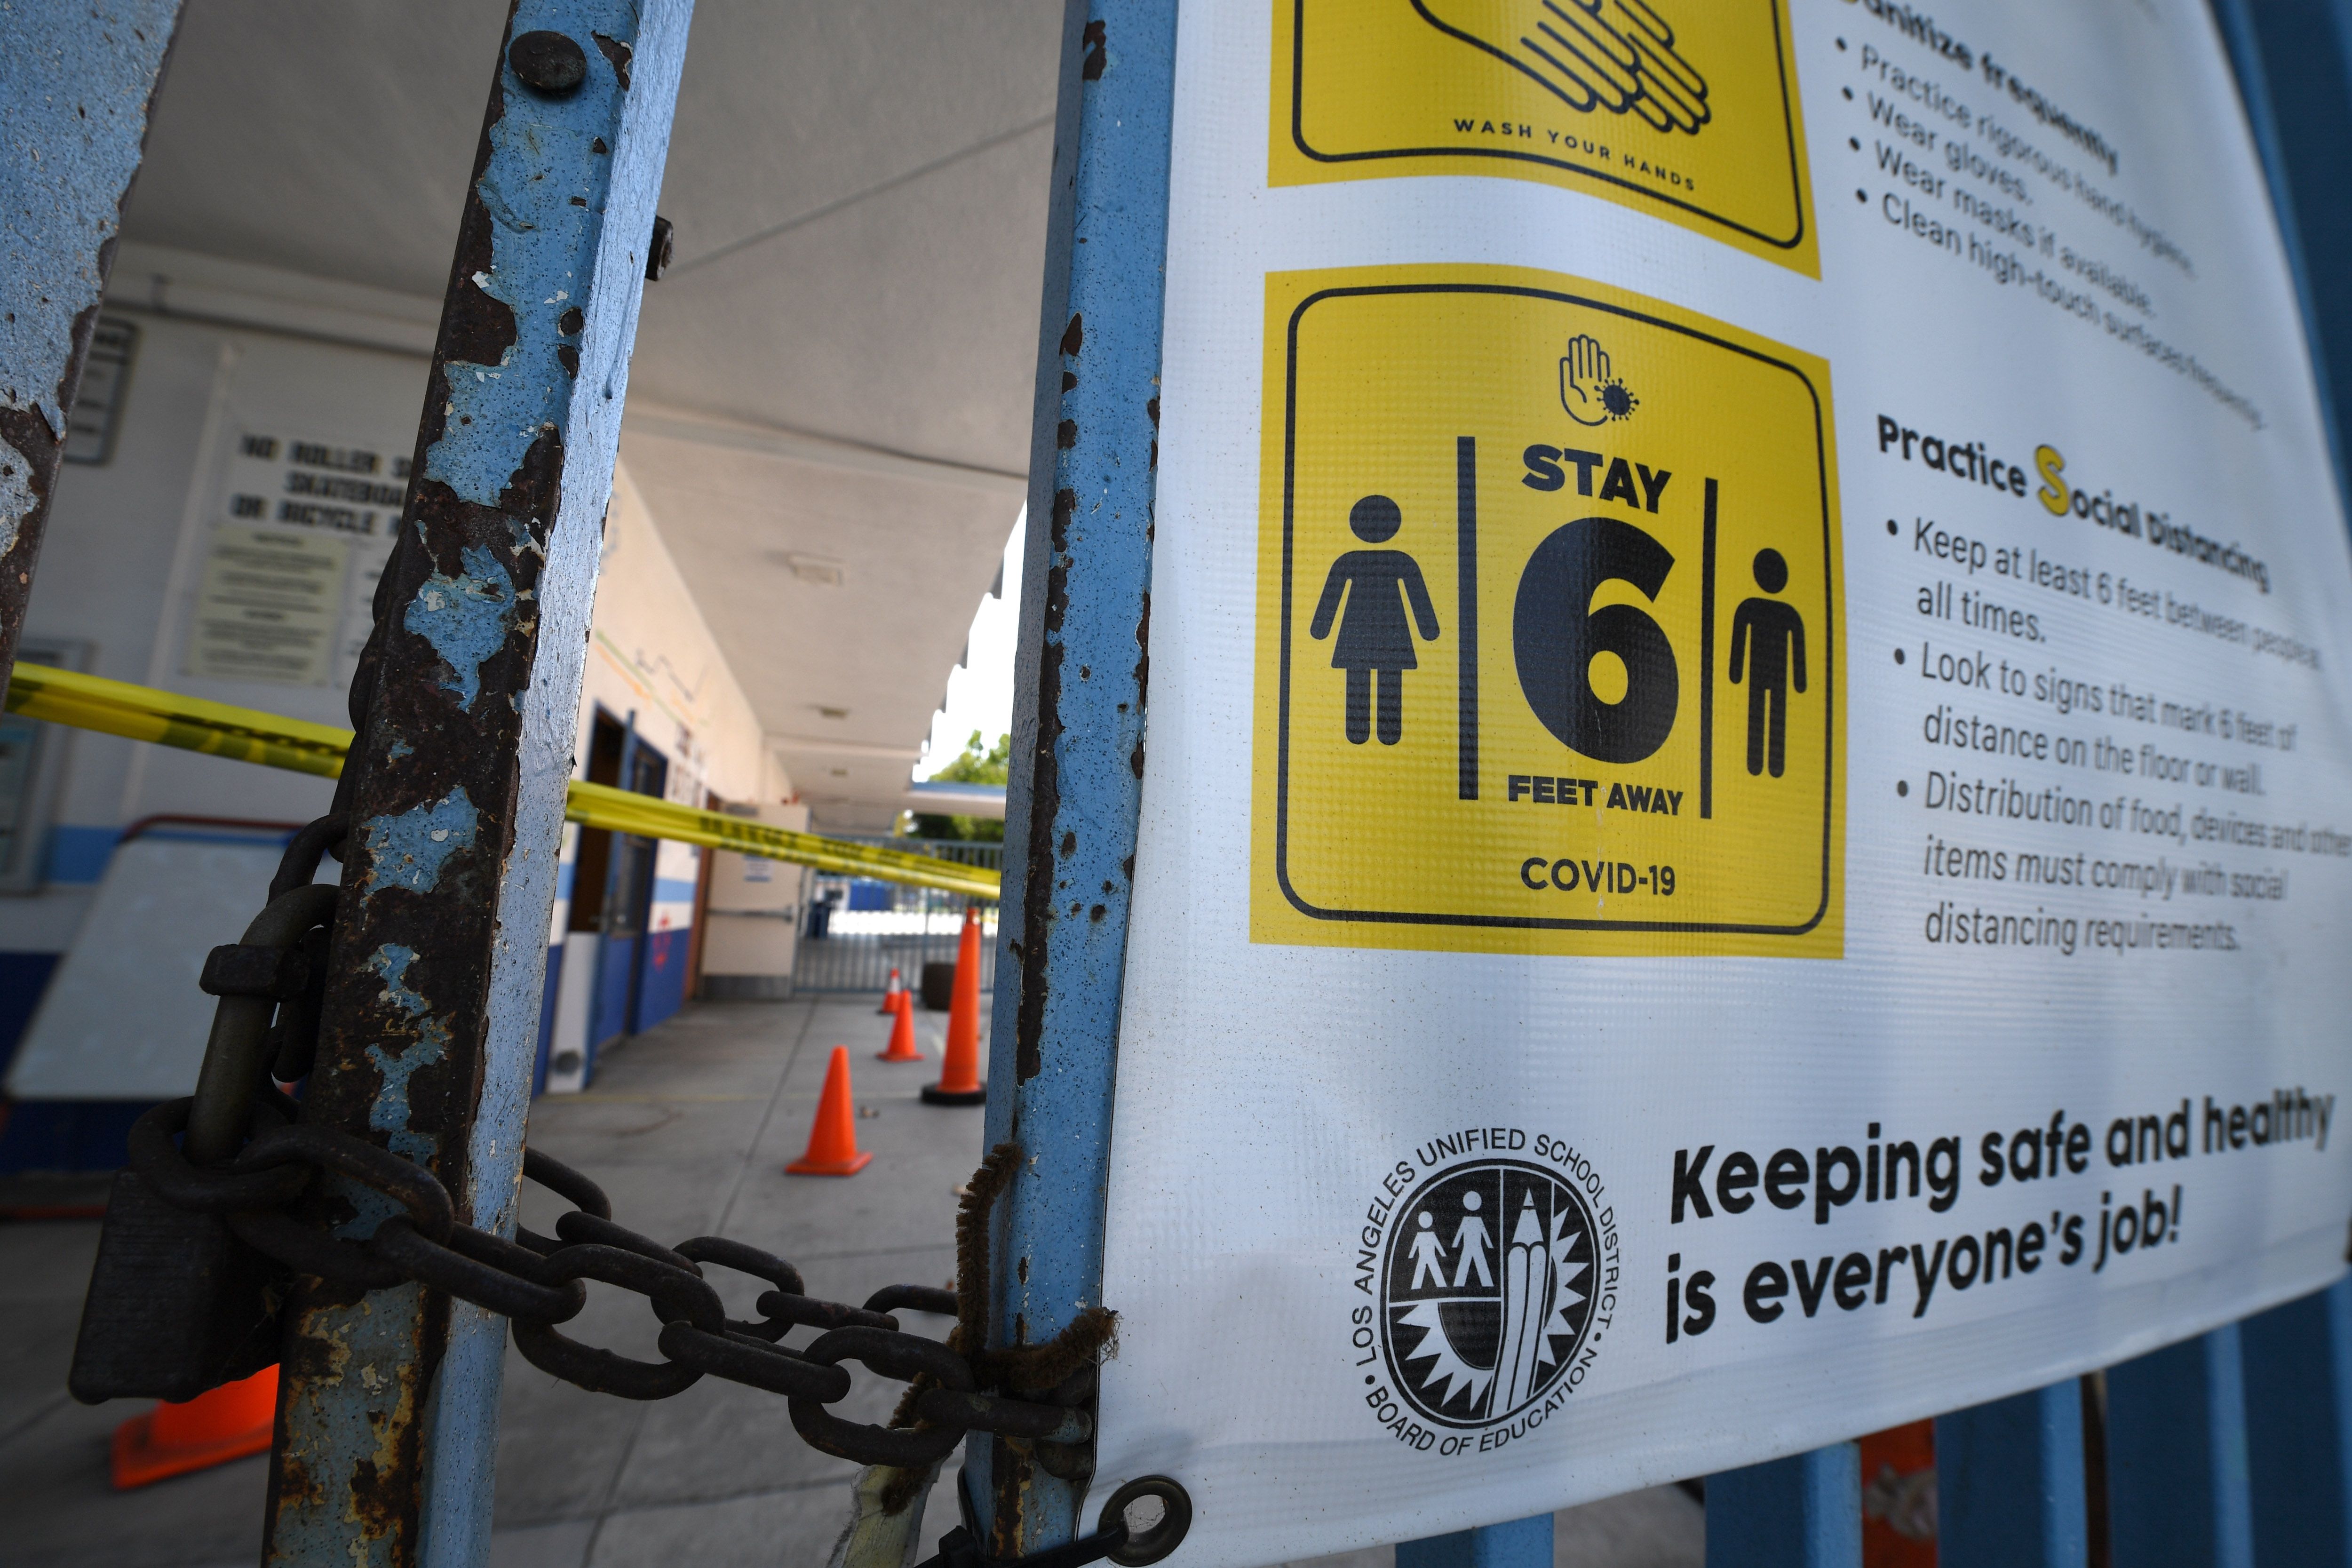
pixel 389 1114
pixel 466 619
pixel 344 1414
pixel 541 158
pixel 565 190
pixel 74 86
pixel 1089 555
pixel 409 850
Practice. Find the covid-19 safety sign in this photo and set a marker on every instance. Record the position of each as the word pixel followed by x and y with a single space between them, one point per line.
pixel 1621 735
pixel 1743 833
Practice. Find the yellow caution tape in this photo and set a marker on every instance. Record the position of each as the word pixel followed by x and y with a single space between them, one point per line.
pixel 602 805
pixel 249 735
pixel 191 723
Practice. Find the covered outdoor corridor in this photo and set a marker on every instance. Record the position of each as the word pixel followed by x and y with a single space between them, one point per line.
pixel 688 1129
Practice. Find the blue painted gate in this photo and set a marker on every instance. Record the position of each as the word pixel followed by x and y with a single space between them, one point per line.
pixel 2225 1451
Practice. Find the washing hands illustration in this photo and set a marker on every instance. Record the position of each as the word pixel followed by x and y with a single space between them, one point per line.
pixel 1587 390
pixel 1617 55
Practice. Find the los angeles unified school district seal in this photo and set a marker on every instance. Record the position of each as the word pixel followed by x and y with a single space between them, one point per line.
pixel 1493 1283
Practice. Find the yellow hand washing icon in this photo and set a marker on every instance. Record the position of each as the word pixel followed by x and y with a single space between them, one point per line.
pixel 1617 55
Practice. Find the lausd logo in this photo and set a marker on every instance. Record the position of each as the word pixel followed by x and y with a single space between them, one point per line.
pixel 1488 1280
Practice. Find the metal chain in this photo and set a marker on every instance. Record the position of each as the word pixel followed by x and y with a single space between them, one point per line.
pixel 539 1282
pixel 237 1147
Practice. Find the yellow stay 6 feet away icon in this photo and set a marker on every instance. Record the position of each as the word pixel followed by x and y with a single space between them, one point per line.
pixel 1548 624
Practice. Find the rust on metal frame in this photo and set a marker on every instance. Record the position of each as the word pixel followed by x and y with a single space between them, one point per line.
pixel 465 703
pixel 78 89
pixel 1079 750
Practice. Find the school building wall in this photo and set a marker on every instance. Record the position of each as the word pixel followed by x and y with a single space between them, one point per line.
pixel 227 546
pixel 655 669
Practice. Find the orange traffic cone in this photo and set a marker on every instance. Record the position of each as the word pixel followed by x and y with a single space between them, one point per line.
pixel 902 1036
pixel 833 1141
pixel 960 1067
pixel 892 991
pixel 222 1424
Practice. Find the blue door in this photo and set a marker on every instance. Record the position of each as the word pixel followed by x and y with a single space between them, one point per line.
pixel 613 884
pixel 628 902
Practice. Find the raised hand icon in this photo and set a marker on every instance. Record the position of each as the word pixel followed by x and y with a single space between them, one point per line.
pixel 1617 55
pixel 1585 380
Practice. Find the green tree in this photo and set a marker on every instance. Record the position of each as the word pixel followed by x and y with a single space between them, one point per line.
pixel 976 764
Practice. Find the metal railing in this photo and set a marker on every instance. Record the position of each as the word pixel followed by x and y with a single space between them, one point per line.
pixel 2225 1451
pixel 845 947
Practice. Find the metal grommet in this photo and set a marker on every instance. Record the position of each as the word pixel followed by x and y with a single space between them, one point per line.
pixel 548 62
pixel 1151 1544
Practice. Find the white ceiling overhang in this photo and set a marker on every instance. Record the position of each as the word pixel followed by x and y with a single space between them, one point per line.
pixel 830 399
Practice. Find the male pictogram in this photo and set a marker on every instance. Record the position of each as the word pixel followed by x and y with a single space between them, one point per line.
pixel 1375 636
pixel 1768 637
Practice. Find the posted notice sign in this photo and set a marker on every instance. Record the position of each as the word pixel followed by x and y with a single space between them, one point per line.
pixel 1558 787
pixel 1743 832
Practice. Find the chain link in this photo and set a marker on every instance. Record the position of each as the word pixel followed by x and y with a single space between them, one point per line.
pixel 238 1148
pixel 539 1282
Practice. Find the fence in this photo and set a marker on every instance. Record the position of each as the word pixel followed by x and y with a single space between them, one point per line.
pixel 2224 1451
pixel 859 930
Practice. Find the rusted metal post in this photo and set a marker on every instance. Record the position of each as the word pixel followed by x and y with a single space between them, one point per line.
pixel 76 84
pixel 466 709
pixel 1079 694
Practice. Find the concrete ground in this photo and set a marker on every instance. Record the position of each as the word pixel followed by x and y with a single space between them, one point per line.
pixel 688 1128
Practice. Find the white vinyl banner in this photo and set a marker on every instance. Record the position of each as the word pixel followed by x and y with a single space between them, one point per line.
pixel 1745 832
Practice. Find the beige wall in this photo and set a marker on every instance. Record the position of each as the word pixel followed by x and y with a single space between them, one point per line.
pixel 123 573
pixel 652 663
pixel 651 654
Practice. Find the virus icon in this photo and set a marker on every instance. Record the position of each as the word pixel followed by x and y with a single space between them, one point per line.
pixel 1588 389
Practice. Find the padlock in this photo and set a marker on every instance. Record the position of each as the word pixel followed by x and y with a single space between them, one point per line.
pixel 177 1304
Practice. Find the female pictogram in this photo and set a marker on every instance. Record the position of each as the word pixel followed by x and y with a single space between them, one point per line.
pixel 1375 639
pixel 1428 1256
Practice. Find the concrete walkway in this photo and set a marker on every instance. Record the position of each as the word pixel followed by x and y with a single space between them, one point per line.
pixel 688 1128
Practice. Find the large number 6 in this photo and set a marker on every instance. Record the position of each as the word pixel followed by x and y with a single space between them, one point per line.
pixel 1555 632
